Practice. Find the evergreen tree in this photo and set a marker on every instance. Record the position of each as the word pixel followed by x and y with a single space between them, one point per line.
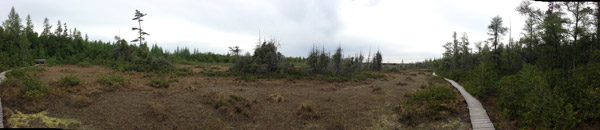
pixel 138 16
pixel 337 60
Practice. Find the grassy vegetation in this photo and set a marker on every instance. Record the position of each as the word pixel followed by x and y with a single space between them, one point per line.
pixel 401 84
pixel 359 76
pixel 113 81
pixel 308 110
pixel 432 103
pixel 69 80
pixel 233 106
pixel 276 98
pixel 79 101
pixel 30 87
pixel 162 82
pixel 377 90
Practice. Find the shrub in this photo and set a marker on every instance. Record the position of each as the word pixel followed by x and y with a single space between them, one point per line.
pixel 69 80
pixel 523 96
pixel 112 81
pixel 30 87
pixel 183 71
pixel 162 82
pixel 432 103
pixel 35 68
pixel 308 110
pixel 16 74
pixel 84 64
pixel 265 59
pixel 34 88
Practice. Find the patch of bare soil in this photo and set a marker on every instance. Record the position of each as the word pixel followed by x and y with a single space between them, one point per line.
pixel 202 102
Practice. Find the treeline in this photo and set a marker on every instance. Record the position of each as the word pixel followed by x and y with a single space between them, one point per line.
pixel 19 45
pixel 267 60
pixel 547 79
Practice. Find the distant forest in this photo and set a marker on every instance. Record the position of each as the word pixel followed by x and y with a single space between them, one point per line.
pixel 57 43
pixel 549 78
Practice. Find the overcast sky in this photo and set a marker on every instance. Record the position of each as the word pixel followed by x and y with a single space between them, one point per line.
pixel 402 30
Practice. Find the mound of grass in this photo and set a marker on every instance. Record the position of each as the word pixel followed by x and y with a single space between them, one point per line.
pixel 162 82
pixel 276 98
pixel 308 110
pixel 401 84
pixel 183 71
pixel 377 90
pixel 157 111
pixel 233 106
pixel 113 81
pixel 432 103
pixel 79 101
pixel 69 80
pixel 409 79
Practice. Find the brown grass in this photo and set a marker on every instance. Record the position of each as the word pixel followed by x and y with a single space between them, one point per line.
pixel 308 110
pixel 157 111
pixel 79 101
pixel 276 98
pixel 192 102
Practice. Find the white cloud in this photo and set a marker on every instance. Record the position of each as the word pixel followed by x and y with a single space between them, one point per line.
pixel 402 30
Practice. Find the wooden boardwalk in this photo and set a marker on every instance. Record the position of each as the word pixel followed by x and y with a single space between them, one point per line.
pixel 479 118
pixel 2 77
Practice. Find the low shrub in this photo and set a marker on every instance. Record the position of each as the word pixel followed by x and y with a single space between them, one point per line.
pixel 113 81
pixel 432 103
pixel 29 87
pixel 84 64
pixel 183 71
pixel 162 82
pixel 35 68
pixel 69 80
pixel 308 110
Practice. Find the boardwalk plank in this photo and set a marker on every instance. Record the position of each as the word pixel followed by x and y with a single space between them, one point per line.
pixel 479 117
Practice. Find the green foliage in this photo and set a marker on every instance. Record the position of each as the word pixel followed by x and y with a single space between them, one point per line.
pixel 431 103
pixel 69 80
pixel 266 59
pixel 30 87
pixel 546 79
pixel 113 81
pixel 162 82
pixel 34 68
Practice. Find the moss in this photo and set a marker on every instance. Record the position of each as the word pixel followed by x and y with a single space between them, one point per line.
pixel 20 120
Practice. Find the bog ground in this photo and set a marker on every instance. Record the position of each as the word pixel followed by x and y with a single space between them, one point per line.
pixel 210 102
